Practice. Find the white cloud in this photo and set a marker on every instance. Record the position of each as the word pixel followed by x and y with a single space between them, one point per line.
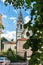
pixel 26 19
pixel 27 12
pixel 2 0
pixel 14 19
pixel 4 16
pixel 15 11
pixel 10 35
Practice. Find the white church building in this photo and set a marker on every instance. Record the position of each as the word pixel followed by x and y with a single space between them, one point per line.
pixel 21 36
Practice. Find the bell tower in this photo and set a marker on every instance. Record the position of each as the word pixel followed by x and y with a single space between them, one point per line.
pixel 19 25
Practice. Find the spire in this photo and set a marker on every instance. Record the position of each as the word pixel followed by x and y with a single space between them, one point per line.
pixel 20 17
pixel 20 14
pixel 20 24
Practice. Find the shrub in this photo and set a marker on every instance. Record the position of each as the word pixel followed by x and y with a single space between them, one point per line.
pixel 13 57
pixel 16 58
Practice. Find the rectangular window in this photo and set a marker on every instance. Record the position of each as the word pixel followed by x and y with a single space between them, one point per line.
pixel 20 26
pixel 14 47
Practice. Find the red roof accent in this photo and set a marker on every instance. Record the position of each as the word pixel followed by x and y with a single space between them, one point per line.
pixel 12 42
pixel 22 39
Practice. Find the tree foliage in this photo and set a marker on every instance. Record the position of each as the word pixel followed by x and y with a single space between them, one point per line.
pixel 36 40
pixel 3 39
pixel 13 57
pixel 2 45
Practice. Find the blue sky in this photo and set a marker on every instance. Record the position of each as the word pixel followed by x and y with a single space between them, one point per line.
pixel 9 18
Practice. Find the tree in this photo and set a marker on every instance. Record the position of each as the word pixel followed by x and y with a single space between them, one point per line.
pixel 2 40
pixel 1 27
pixel 36 40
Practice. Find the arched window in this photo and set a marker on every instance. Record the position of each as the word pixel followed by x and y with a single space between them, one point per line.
pixel 20 26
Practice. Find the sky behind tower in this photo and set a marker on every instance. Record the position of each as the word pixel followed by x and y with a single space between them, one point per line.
pixel 9 19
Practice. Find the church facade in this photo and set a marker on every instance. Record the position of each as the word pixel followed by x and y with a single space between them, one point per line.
pixel 21 37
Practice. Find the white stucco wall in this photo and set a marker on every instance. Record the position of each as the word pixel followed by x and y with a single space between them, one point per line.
pixel 21 50
pixel 7 46
pixel 20 45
